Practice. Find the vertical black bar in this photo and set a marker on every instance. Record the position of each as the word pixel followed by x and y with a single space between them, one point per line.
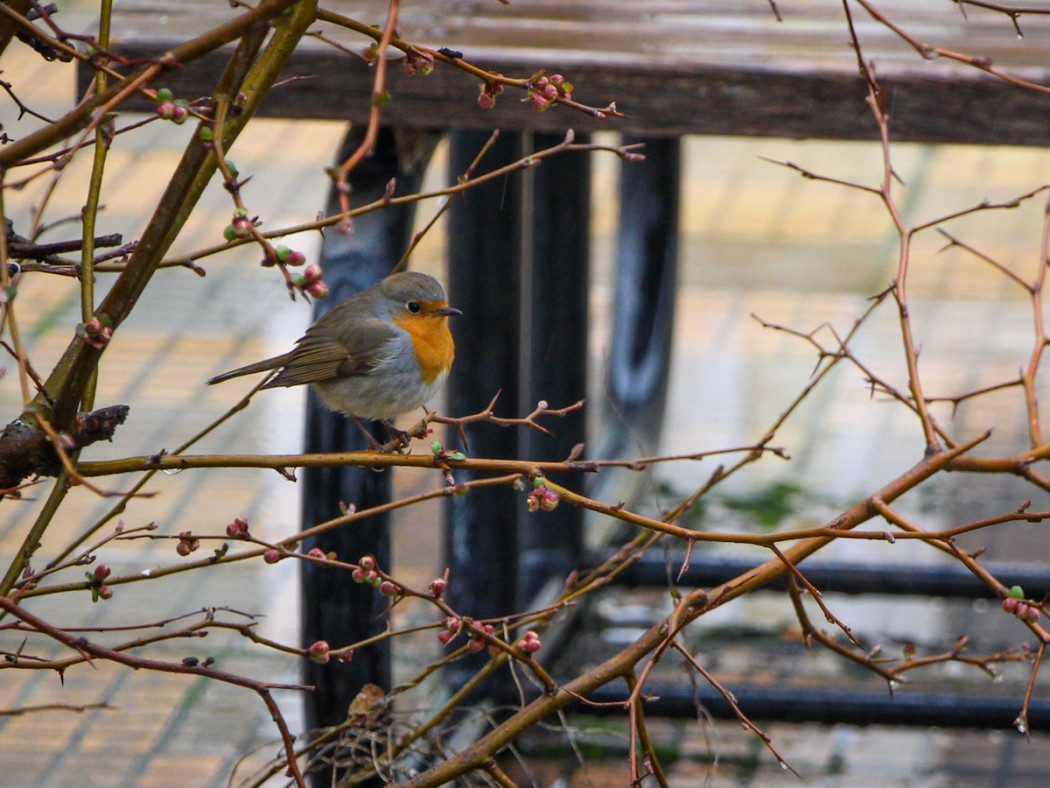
pixel 555 335
pixel 484 232
pixel 333 608
pixel 643 311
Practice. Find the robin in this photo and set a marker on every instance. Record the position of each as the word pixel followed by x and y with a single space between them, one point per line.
pixel 376 355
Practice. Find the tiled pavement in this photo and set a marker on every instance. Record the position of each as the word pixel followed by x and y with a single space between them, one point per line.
pixel 757 239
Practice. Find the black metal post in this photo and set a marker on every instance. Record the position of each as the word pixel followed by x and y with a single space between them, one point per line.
pixel 643 310
pixel 823 706
pixel 484 281
pixel 838 577
pixel 334 609
pixel 554 334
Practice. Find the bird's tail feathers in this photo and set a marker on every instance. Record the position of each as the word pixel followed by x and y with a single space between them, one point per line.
pixel 259 366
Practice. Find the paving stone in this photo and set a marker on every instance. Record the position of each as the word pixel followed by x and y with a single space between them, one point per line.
pixel 164 771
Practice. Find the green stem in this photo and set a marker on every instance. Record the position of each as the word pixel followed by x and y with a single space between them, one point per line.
pixel 69 378
pixel 279 462
pixel 90 213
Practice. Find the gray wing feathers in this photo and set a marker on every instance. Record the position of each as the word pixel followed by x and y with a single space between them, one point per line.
pixel 314 359
pixel 318 356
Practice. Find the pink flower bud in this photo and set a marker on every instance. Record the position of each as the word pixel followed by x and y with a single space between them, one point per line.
pixel 358 576
pixel 318 652
pixel 564 87
pixel 475 645
pixel 367 562
pixel 166 110
pixel 453 624
pixel 539 103
pixel 488 93
pixel 1010 604
pixel 532 642
pixel 318 289
pixel 238 529
pixel 437 586
pixel 187 543
pixel 95 333
pixel 317 552
pixel 272 556
pixel 388 588
pixel 242 226
pixel 312 273
pixel 445 636
pixel 102 572
pixel 295 257
pixel 417 62
pixel 105 592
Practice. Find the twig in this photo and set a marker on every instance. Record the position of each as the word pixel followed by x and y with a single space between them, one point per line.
pixel 730 698
pixel 816 596
pixel 262 689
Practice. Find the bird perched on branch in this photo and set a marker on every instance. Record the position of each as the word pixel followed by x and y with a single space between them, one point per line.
pixel 380 353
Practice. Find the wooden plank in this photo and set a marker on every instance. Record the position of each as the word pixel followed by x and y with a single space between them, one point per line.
pixel 674 66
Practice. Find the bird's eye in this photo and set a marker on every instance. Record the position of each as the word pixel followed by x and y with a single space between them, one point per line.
pixel 414 307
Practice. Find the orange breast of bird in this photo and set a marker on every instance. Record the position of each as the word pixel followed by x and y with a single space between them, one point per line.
pixel 431 340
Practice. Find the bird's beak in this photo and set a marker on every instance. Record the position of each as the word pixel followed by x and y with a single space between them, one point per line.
pixel 447 311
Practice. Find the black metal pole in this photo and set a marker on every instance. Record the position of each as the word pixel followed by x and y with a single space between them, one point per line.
pixel 827 707
pixel 554 337
pixel 841 577
pixel 639 358
pixel 334 609
pixel 484 229
pixel 647 263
